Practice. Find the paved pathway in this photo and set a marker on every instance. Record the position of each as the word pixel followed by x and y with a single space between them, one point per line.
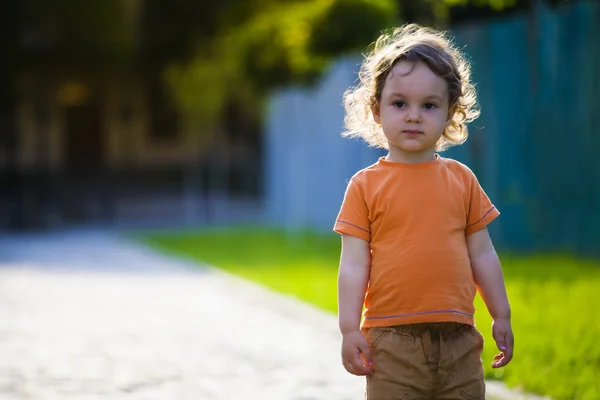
pixel 88 316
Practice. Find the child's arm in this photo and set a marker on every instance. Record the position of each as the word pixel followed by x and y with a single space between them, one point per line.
pixel 490 281
pixel 353 278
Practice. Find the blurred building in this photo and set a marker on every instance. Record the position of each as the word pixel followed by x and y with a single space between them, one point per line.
pixel 89 133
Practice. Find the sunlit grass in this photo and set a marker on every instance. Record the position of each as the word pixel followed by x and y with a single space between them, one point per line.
pixel 555 300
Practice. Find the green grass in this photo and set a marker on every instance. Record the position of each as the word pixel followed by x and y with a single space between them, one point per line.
pixel 555 299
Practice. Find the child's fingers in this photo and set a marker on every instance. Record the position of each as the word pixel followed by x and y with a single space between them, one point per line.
pixel 506 346
pixel 359 366
pixel 510 344
pixel 349 367
pixel 497 364
pixel 498 361
pixel 508 353
pixel 354 364
pixel 366 352
pixel 500 339
pixel 501 361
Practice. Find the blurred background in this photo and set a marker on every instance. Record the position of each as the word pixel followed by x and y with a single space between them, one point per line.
pixel 211 130
pixel 141 112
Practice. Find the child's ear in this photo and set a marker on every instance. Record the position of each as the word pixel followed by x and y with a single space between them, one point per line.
pixel 376 114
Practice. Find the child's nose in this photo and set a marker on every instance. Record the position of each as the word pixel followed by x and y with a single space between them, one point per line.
pixel 413 114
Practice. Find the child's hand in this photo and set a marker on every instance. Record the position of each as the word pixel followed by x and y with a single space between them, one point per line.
pixel 356 355
pixel 503 335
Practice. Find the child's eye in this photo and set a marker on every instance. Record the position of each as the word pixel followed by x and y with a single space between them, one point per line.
pixel 429 106
pixel 399 103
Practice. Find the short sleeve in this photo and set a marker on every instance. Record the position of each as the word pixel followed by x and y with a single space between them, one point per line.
pixel 481 211
pixel 353 218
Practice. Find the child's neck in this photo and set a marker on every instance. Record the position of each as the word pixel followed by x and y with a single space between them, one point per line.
pixel 409 157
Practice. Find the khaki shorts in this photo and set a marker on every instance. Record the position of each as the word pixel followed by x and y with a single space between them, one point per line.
pixel 426 361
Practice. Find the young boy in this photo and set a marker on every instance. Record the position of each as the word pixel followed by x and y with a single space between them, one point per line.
pixel 415 246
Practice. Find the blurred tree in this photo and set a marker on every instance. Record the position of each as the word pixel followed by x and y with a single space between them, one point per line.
pixel 248 48
pixel 273 45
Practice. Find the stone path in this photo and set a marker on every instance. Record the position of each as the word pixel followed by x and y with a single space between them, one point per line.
pixel 87 316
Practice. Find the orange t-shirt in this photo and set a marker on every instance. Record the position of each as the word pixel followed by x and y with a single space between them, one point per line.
pixel 416 218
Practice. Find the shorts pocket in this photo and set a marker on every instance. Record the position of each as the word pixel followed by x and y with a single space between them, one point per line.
pixel 396 359
pixel 469 366
pixel 374 335
pixel 478 336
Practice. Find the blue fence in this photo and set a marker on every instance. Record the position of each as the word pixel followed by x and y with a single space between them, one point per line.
pixel 533 148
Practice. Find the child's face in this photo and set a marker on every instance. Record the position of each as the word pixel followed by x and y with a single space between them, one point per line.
pixel 413 110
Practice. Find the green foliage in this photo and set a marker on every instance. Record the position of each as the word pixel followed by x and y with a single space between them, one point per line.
pixel 201 86
pixel 272 45
pixel 259 45
pixel 554 300
pixel 276 44
pixel 495 4
pixel 347 26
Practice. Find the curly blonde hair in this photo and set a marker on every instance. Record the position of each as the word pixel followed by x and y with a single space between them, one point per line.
pixel 412 43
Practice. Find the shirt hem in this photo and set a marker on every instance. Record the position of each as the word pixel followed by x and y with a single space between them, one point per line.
pixel 347 228
pixel 479 225
pixel 419 318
